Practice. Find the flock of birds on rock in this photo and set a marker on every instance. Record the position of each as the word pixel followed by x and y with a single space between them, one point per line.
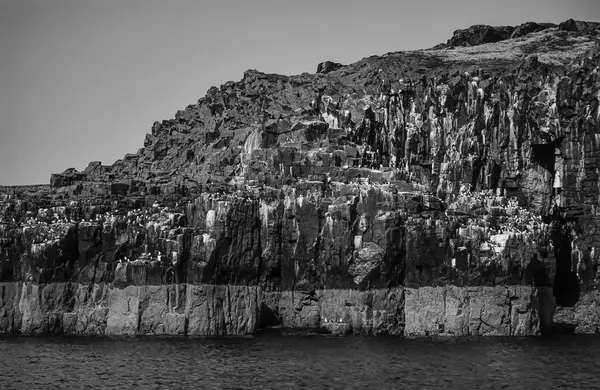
pixel 511 220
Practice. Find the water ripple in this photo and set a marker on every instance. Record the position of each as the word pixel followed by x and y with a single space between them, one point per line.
pixel 278 362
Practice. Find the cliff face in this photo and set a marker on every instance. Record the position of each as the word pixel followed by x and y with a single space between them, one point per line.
pixel 446 191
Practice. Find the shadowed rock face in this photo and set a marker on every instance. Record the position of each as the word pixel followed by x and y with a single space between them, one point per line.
pixel 445 191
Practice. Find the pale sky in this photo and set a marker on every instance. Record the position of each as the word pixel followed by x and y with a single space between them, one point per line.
pixel 84 80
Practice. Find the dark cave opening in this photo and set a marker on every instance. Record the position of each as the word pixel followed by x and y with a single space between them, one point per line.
pixel 267 318
pixel 566 283
pixel 477 165
pixel 496 172
pixel 543 154
pixel 537 273
pixel 6 268
pixel 565 286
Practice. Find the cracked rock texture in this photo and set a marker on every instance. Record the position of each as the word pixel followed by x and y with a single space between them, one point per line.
pixel 453 191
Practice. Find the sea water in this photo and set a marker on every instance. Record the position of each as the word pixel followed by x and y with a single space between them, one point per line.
pixel 278 361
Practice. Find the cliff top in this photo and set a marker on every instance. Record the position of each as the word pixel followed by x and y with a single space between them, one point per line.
pixel 215 129
pixel 482 34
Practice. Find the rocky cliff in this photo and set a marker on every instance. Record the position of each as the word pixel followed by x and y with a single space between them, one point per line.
pixel 451 191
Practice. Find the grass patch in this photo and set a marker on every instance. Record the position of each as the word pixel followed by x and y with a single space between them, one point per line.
pixel 551 46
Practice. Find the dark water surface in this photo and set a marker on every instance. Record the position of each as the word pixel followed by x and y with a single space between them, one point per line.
pixel 273 361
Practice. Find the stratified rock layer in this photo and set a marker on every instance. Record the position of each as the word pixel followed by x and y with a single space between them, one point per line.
pixel 447 191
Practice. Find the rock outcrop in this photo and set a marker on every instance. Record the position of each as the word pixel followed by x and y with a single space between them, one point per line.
pixel 449 191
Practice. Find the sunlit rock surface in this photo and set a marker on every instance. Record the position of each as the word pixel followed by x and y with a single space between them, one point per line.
pixel 448 191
